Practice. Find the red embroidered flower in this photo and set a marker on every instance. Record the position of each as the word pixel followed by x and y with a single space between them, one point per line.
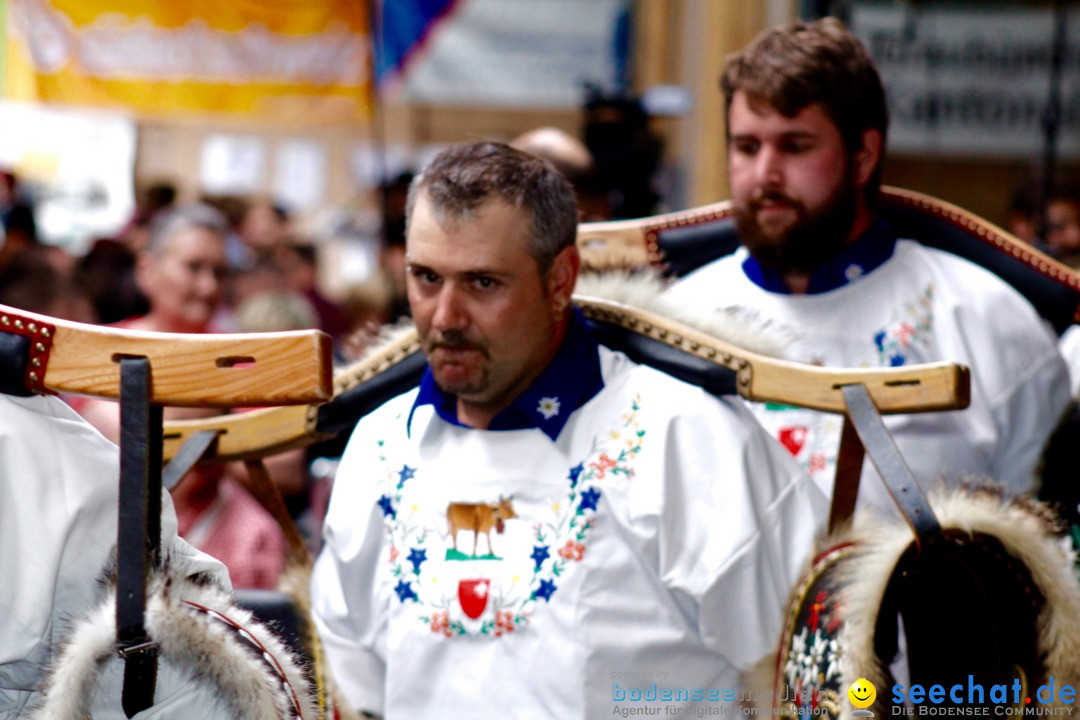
pixel 393 553
pixel 572 550
pixel 440 622
pixel 602 464
pixel 504 621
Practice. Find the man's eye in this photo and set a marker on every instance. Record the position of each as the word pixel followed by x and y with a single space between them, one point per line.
pixel 746 147
pixel 424 276
pixel 484 283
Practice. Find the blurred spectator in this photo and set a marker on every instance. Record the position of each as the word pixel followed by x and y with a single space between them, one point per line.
pixel 275 311
pixel 298 261
pixel 574 161
pixel 153 200
pixel 278 310
pixel 107 273
pixel 30 281
pixel 234 208
pixel 1051 224
pixel 264 226
pixel 16 213
pixel 181 272
pixel 391 272
pixel 626 151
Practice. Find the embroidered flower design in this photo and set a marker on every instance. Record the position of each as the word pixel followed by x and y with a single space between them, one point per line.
pixel 539 555
pixel 572 550
pixel 548 407
pixel 405 591
pixel 559 540
pixel 546 590
pixel 417 557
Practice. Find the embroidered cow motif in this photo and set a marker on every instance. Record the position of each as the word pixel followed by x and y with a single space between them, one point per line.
pixel 480 519
pixel 457 594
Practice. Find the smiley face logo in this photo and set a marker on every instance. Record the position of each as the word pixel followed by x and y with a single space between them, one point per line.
pixel 862 693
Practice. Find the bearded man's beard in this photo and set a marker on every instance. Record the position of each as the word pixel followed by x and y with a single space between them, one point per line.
pixel 813 238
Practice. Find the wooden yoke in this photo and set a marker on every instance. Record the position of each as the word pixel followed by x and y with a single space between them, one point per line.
pixel 916 388
pixel 680 242
pixel 144 372
pixel 249 369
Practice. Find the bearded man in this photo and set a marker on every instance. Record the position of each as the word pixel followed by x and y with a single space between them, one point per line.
pixel 806 128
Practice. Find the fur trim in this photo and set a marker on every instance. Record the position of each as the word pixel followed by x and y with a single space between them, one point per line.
pixel 235 664
pixel 739 326
pixel 1025 530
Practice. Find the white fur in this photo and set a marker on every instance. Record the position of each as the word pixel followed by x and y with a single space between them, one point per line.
pixel 1023 530
pixel 741 327
pixel 189 640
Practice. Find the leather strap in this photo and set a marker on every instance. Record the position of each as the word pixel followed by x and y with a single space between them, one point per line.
pixel 24 354
pixel 187 456
pixel 882 450
pixel 138 546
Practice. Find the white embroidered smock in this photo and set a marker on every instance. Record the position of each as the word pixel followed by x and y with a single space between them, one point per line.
pixel 901 303
pixel 645 551
pixel 58 524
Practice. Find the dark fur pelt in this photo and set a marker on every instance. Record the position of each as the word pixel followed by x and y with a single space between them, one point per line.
pixel 216 655
pixel 1024 530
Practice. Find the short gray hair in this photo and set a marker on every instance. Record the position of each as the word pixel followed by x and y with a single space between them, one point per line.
pixel 463 177
pixel 185 217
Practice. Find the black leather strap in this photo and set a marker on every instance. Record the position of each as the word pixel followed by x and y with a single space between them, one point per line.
pixel 14 357
pixel 881 448
pixel 138 545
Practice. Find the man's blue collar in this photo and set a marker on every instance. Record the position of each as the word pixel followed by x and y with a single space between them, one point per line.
pixel 570 381
pixel 862 257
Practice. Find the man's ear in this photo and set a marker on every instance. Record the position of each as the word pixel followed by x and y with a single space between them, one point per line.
pixel 562 276
pixel 868 156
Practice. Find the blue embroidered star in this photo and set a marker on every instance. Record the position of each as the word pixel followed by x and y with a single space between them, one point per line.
pixel 575 472
pixel 404 591
pixel 540 553
pixel 546 590
pixel 589 498
pixel 387 506
pixel 897 360
pixel 405 473
pixel 417 556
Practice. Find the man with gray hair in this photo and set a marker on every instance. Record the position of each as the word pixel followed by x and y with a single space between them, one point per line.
pixel 544 528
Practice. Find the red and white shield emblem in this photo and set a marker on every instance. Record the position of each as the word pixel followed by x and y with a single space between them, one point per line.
pixel 473 596
pixel 793 438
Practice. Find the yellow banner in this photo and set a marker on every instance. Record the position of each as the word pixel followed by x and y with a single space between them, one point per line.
pixel 280 60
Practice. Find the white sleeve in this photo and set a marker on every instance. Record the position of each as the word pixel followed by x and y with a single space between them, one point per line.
pixel 349 619
pixel 1026 413
pixel 759 514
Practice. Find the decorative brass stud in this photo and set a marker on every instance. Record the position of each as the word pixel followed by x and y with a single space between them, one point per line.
pixel 39 347
pixel 36 362
pixel 33 377
pixel 5 320
pixel 18 324
pixel 46 332
pixel 32 327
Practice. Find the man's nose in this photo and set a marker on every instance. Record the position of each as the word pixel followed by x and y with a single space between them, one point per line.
pixel 768 167
pixel 450 311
